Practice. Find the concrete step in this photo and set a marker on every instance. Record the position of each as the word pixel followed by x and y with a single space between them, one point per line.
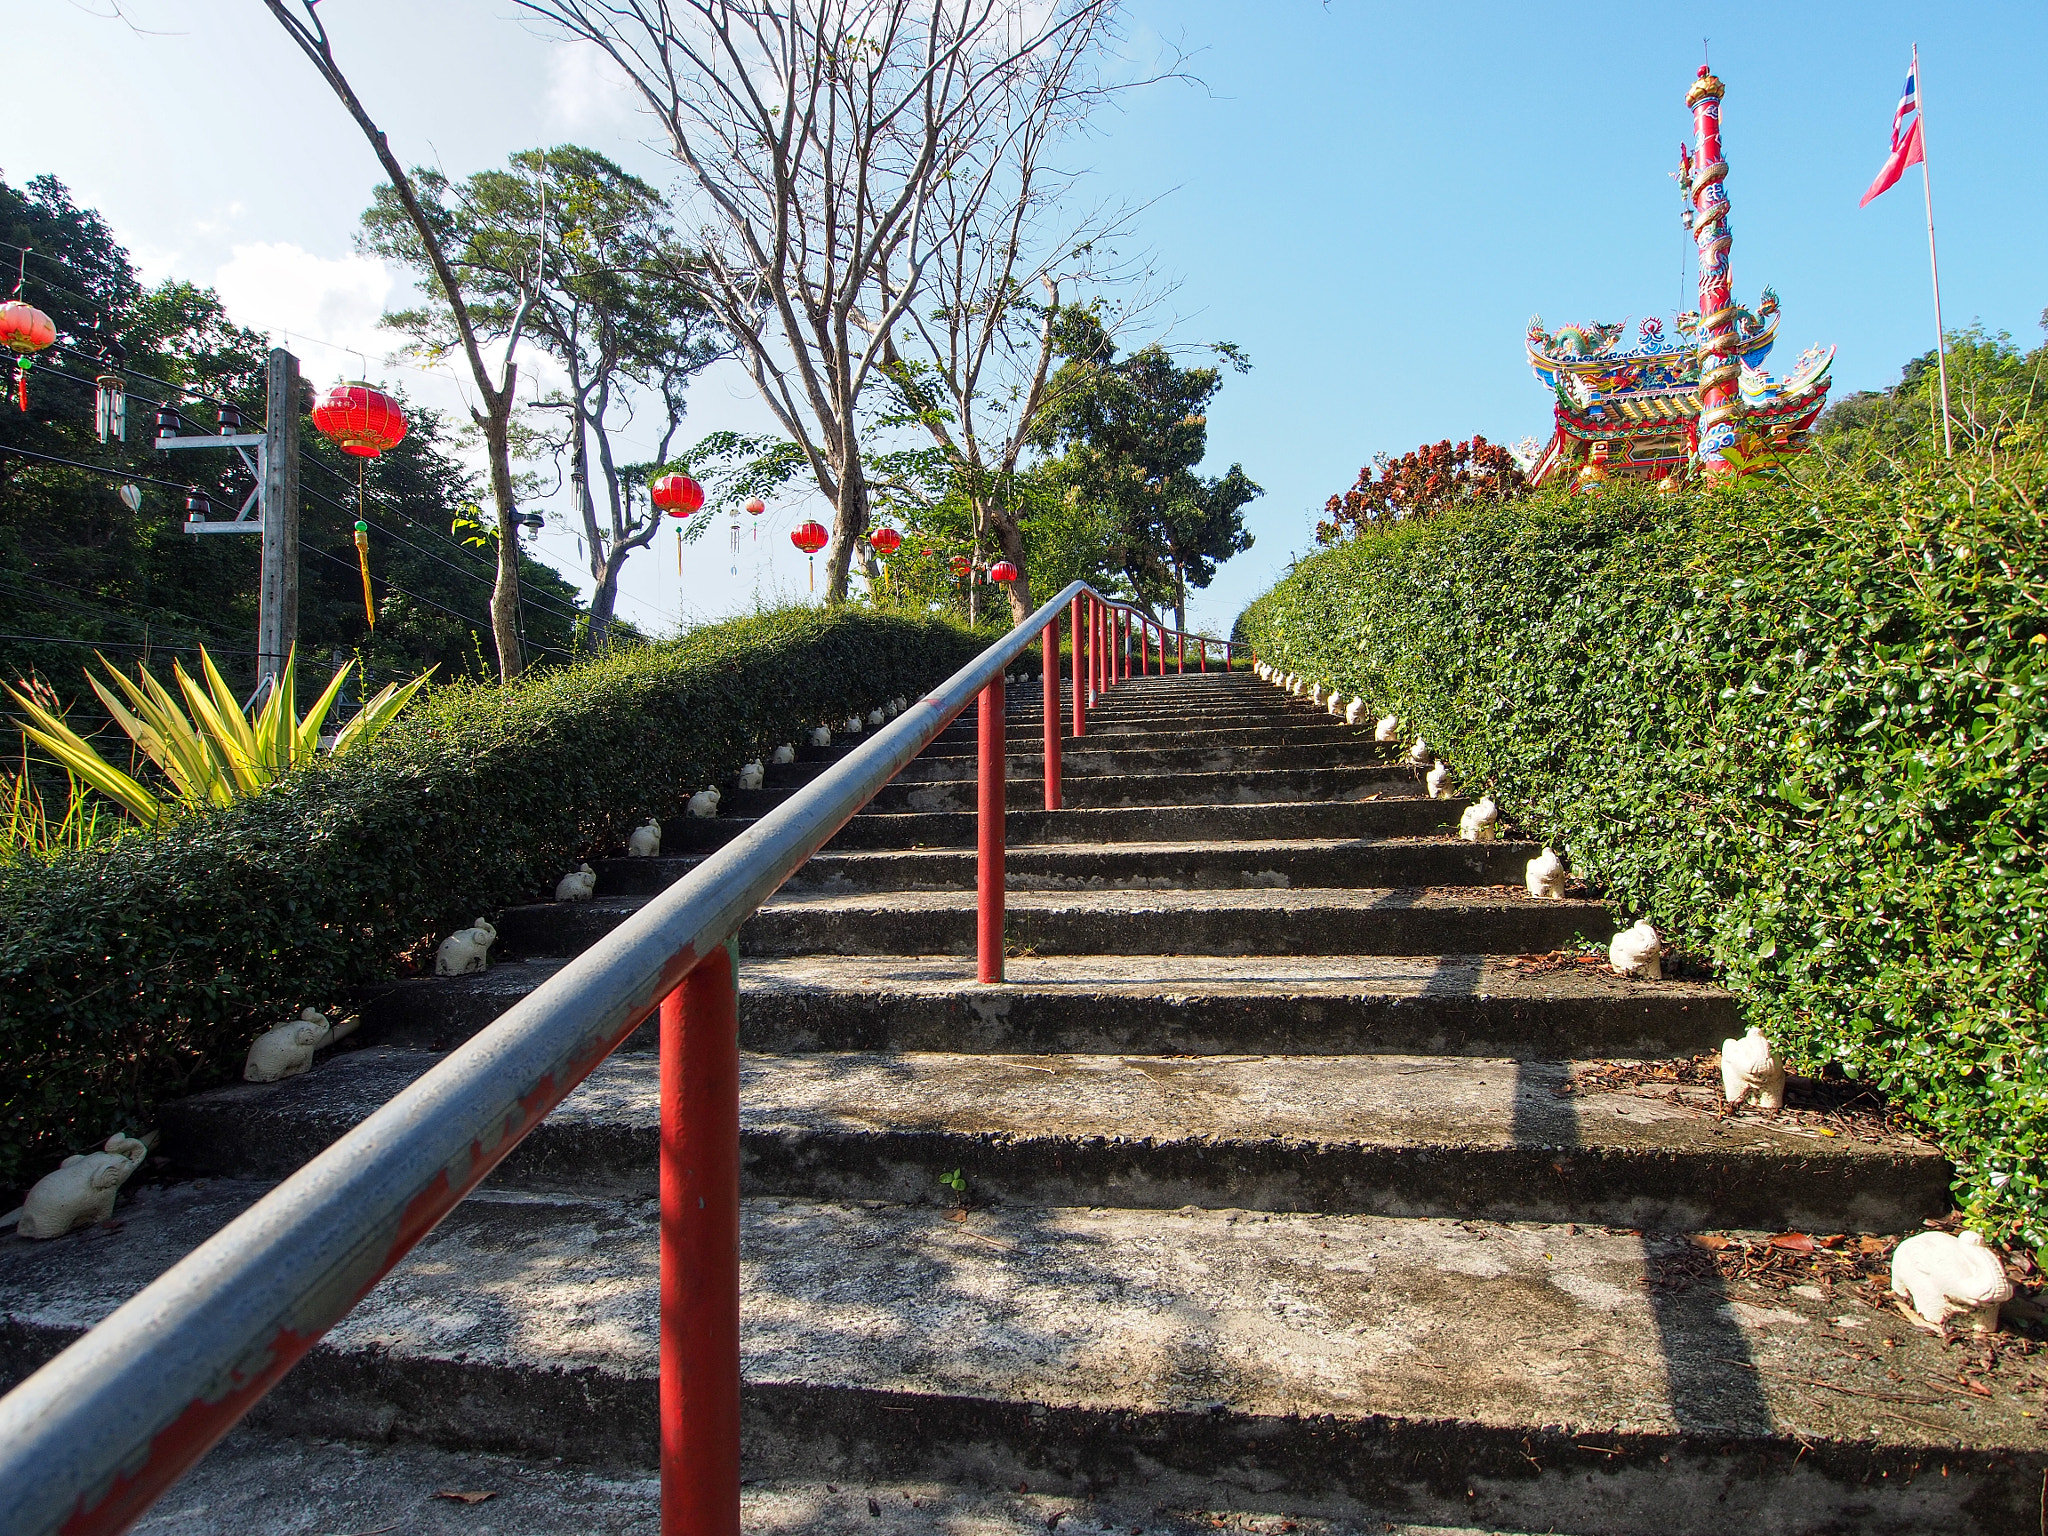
pixel 1311 730
pixel 1275 863
pixel 1505 1377
pixel 1386 1135
pixel 1489 920
pixel 1469 1005
pixel 1083 759
pixel 1242 786
pixel 269 1483
pixel 1405 815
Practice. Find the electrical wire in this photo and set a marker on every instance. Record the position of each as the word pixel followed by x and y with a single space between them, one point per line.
pixel 98 469
pixel 476 624
pixel 125 645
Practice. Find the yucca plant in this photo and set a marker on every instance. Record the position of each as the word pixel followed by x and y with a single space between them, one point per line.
pixel 209 750
pixel 29 830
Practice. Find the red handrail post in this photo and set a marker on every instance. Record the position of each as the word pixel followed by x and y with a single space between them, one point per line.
pixel 1050 697
pixel 988 878
pixel 1079 667
pixel 1180 652
pixel 1202 646
pixel 1124 651
pixel 700 1250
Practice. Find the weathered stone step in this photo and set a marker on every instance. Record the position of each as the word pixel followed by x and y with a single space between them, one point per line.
pixel 1263 865
pixel 1461 921
pixel 1161 787
pixel 1312 730
pixel 1079 759
pixel 1469 1005
pixel 1506 1377
pixel 266 1482
pixel 1387 1135
pixel 1390 816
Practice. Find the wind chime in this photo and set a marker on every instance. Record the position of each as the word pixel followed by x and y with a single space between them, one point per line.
pixel 361 421
pixel 679 496
pixel 810 537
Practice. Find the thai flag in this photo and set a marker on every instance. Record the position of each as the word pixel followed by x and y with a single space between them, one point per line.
pixel 1906 149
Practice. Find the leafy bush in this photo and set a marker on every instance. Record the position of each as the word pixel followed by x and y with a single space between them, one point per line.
pixel 1803 726
pixel 139 969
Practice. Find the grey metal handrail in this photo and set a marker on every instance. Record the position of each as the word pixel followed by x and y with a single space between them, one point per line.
pixel 94 1437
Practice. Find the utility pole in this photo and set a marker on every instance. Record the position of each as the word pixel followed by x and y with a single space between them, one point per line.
pixel 271 508
pixel 277 599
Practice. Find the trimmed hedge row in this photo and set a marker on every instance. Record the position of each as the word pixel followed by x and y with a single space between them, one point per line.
pixel 139 970
pixel 1803 727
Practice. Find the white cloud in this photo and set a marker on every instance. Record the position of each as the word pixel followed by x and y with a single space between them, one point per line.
pixel 328 305
pixel 585 90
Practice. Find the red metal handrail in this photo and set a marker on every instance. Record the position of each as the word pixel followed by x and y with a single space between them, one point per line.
pixel 92 1439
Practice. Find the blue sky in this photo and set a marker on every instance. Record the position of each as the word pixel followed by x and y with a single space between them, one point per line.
pixel 1371 199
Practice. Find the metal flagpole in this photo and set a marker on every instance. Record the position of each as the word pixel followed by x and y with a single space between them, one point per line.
pixel 1927 185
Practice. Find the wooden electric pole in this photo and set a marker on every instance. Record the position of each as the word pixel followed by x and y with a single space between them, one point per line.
pixel 277 599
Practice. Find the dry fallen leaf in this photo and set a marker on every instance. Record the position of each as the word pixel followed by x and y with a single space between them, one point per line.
pixel 1797 1242
pixel 1713 1241
pixel 457 1496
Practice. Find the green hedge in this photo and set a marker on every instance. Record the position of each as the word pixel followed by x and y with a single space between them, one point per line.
pixel 140 969
pixel 1803 727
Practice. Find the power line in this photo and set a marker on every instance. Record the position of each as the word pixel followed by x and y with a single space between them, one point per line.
pixel 124 645
pixel 476 624
pixel 97 469
pixel 476 576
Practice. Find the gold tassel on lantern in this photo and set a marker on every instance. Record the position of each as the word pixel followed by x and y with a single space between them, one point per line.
pixel 363 559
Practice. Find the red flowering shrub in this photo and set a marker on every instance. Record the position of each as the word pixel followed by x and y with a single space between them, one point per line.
pixel 1421 483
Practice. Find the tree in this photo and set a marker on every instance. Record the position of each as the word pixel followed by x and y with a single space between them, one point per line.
pixel 1423 482
pixel 971 361
pixel 494 419
pixel 613 304
pixel 80 569
pixel 816 135
pixel 1132 430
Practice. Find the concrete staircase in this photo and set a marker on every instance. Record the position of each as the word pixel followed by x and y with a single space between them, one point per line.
pixel 1278 1193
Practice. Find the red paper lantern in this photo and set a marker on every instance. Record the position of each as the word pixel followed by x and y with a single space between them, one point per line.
pixel 1002 570
pixel 24 331
pixel 809 537
pixel 886 541
pixel 362 420
pixel 756 507
pixel 961 565
pixel 678 495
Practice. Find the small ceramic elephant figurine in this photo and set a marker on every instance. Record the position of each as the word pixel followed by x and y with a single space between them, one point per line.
pixel 1638 951
pixel 466 950
pixel 822 736
pixel 81 1191
pixel 1750 1069
pixel 287 1050
pixel 704 803
pixel 876 717
pixel 1438 779
pixel 1354 711
pixel 577 885
pixel 1480 821
pixel 1543 876
pixel 645 842
pixel 782 755
pixel 1387 728
pixel 1946 1276
pixel 753 775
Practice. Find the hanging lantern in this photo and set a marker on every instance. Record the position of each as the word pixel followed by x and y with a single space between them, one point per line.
pixel 678 495
pixel 362 420
pixel 363 560
pixel 1002 570
pixel 810 537
pixel 24 331
pixel 755 507
pixel 886 541
pixel 960 565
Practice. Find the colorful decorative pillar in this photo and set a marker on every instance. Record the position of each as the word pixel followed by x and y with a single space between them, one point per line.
pixel 1718 367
